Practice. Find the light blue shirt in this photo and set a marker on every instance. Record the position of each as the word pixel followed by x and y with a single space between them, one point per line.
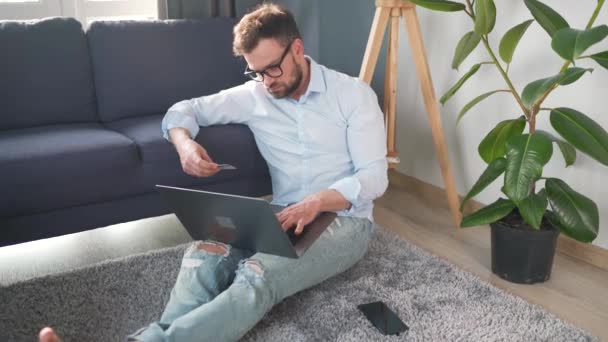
pixel 333 137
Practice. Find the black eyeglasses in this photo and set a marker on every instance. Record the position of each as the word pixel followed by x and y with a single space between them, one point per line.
pixel 273 71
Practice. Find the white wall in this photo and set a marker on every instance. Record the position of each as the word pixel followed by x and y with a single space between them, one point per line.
pixel 83 10
pixel 533 59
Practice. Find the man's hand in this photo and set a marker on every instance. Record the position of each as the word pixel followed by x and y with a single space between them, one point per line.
pixel 300 214
pixel 305 211
pixel 194 158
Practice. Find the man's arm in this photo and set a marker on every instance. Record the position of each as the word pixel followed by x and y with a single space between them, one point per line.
pixel 228 106
pixel 366 139
pixel 181 124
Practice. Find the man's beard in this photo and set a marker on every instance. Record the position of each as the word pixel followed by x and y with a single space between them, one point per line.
pixel 293 86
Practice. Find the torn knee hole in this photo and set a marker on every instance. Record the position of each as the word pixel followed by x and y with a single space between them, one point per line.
pixel 213 248
pixel 255 266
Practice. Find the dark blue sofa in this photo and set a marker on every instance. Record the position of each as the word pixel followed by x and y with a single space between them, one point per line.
pixel 80 118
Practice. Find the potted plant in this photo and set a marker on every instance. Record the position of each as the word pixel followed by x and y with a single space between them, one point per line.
pixel 526 222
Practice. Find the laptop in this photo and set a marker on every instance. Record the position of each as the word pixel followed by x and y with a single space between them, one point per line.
pixel 244 222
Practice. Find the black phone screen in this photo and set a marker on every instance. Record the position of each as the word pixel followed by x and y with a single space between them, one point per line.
pixel 383 318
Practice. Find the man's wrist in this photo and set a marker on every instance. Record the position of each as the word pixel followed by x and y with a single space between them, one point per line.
pixel 345 203
pixel 330 200
pixel 179 135
pixel 317 201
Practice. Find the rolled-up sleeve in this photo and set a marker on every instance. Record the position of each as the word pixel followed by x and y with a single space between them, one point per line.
pixel 366 139
pixel 228 106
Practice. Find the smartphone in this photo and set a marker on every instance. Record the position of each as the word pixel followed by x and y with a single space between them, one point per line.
pixel 383 318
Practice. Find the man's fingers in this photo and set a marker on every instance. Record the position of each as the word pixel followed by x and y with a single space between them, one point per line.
pixel 202 166
pixel 300 226
pixel 288 223
pixel 283 214
pixel 291 216
pixel 209 166
pixel 284 223
pixel 199 167
pixel 205 155
pixel 280 217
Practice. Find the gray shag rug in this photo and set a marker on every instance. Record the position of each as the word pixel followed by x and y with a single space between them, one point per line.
pixel 438 301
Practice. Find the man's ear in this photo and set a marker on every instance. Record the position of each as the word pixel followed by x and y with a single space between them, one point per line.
pixel 298 46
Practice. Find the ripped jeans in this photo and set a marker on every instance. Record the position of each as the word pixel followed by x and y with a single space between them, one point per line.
pixel 220 297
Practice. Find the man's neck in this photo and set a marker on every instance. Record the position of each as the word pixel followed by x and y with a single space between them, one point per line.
pixel 305 82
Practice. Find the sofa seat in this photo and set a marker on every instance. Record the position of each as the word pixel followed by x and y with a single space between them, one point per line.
pixel 52 167
pixel 232 144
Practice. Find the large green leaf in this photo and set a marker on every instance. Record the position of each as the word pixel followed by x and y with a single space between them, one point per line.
pixel 572 75
pixel 488 214
pixel 495 169
pixel 440 5
pixel 582 132
pixel 526 156
pixel 459 84
pixel 475 101
pixel 601 58
pixel 465 46
pixel 535 90
pixel 567 149
pixel 485 16
pixel 509 41
pixel 578 215
pixel 493 145
pixel 532 208
pixel 548 18
pixel 570 43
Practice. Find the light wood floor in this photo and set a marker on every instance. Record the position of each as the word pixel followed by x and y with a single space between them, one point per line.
pixel 577 292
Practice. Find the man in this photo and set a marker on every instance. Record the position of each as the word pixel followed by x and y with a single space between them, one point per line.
pixel 322 135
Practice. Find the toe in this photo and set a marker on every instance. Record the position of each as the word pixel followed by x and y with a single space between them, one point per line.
pixel 48 335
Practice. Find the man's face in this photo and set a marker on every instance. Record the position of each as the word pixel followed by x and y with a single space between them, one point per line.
pixel 267 54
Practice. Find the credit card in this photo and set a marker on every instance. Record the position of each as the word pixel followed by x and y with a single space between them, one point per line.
pixel 226 167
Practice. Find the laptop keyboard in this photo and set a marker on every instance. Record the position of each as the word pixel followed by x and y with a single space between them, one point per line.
pixel 293 237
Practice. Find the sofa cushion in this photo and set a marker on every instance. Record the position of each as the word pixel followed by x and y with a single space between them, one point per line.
pixel 145 131
pixel 233 144
pixel 45 73
pixel 144 67
pixel 46 168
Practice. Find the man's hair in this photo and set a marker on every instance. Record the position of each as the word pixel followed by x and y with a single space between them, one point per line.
pixel 265 21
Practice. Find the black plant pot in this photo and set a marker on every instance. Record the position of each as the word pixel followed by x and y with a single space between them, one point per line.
pixel 523 256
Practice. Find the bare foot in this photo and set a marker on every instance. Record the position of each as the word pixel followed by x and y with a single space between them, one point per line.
pixel 48 335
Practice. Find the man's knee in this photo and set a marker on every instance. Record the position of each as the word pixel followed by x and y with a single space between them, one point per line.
pixel 248 270
pixel 255 266
pixel 250 273
pixel 213 247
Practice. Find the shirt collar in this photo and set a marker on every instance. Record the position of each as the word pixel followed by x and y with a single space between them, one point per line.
pixel 317 81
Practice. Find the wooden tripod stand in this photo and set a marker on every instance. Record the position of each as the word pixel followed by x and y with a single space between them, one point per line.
pixel 396 9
